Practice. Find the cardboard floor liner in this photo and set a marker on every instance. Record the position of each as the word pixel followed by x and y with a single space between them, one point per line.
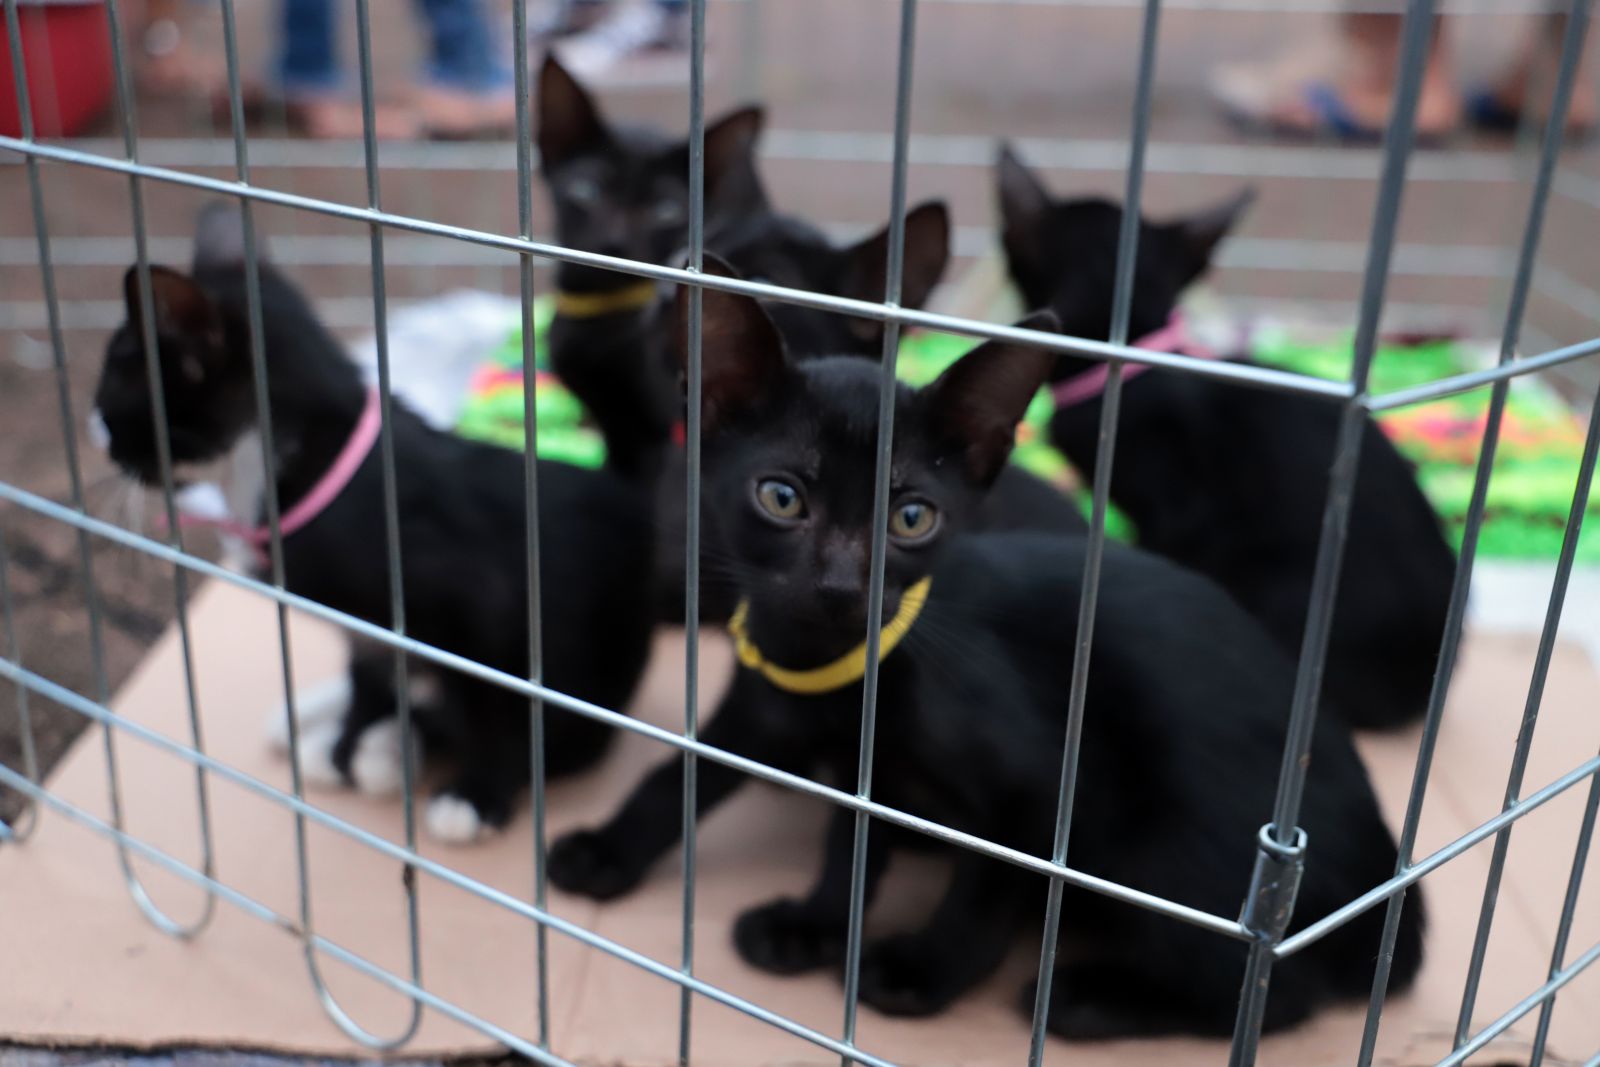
pixel 81 965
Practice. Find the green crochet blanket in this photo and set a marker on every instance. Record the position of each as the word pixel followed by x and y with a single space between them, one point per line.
pixel 1529 494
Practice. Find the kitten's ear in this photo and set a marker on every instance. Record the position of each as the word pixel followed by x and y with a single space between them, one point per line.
pixel 741 354
pixel 1023 198
pixel 927 251
pixel 1198 235
pixel 219 236
pixel 569 120
pixel 730 141
pixel 978 401
pixel 183 311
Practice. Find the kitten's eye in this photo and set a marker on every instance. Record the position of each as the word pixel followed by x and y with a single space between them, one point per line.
pixel 582 191
pixel 667 212
pixel 780 499
pixel 913 521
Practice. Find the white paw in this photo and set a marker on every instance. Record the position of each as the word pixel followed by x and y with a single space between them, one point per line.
pixel 316 755
pixel 314 706
pixel 453 820
pixel 378 763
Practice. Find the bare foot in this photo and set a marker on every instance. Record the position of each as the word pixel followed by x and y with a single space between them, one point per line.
pixel 456 114
pixel 337 118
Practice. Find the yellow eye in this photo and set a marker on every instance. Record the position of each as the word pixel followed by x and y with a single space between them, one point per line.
pixel 780 499
pixel 913 521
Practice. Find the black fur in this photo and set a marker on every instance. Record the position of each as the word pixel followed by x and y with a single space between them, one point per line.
pixel 620 365
pixel 461 516
pixel 1182 737
pixel 1232 481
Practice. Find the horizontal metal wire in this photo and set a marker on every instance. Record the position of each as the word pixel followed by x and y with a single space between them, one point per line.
pixel 522 686
pixel 1277 254
pixel 1461 383
pixel 1523 1007
pixel 1335 919
pixel 1262 377
pixel 1343 163
pixel 225 772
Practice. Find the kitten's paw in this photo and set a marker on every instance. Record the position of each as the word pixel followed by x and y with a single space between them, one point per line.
pixel 314 706
pixel 589 863
pixel 907 976
pixel 455 820
pixel 786 937
pixel 318 767
pixel 378 763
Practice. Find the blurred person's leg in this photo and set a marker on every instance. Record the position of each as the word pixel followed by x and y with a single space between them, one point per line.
pixel 1346 90
pixel 311 78
pixel 642 42
pixel 1528 81
pixel 468 88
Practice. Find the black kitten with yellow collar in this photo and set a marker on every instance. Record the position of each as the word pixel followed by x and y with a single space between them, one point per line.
pixel 1183 733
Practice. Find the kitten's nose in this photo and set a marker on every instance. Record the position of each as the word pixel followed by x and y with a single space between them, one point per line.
pixel 841 581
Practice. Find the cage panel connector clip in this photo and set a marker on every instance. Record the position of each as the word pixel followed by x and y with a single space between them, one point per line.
pixel 1274 884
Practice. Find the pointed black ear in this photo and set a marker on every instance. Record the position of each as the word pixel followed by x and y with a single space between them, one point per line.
pixel 569 120
pixel 1023 198
pixel 979 399
pixel 731 141
pixel 219 236
pixel 182 308
pixel 741 353
pixel 1199 234
pixel 927 251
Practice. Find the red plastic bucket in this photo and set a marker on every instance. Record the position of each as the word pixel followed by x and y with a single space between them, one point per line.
pixel 66 49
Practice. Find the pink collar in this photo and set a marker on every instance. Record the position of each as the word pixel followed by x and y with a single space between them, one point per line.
pixel 323 493
pixel 1174 337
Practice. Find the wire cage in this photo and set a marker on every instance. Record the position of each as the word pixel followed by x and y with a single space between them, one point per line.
pixel 149 165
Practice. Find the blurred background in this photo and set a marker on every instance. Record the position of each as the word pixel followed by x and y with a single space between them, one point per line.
pixel 1055 76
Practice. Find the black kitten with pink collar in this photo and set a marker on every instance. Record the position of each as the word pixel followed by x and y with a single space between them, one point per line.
pixel 462 532
pixel 1231 481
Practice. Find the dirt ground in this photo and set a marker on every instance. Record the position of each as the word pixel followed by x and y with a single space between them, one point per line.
pixel 983 70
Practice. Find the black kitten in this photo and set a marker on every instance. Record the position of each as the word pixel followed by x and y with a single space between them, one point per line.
pixel 1232 481
pixel 462 530
pixel 624 191
pixel 1182 738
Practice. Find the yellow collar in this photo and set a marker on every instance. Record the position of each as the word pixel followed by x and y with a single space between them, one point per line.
pixel 592 305
pixel 845 670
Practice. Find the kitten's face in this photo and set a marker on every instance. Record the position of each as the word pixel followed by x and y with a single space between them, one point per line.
pixel 791 253
pixel 1062 254
pixel 625 193
pixel 790 453
pixel 206 388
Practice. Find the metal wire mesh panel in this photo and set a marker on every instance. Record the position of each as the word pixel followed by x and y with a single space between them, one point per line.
pixel 1281 847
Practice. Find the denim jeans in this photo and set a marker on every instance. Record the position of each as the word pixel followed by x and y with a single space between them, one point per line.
pixel 463 55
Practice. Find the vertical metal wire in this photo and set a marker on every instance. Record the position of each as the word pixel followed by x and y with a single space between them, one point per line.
pixel 691 564
pixel 530 469
pixel 1398 140
pixel 20 830
pixel 1530 719
pixel 888 390
pixel 271 505
pixel 1105 451
pixel 397 617
pixel 22 827
pixel 180 578
pixel 1516 307
pixel 1569 906
pixel 1572 47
